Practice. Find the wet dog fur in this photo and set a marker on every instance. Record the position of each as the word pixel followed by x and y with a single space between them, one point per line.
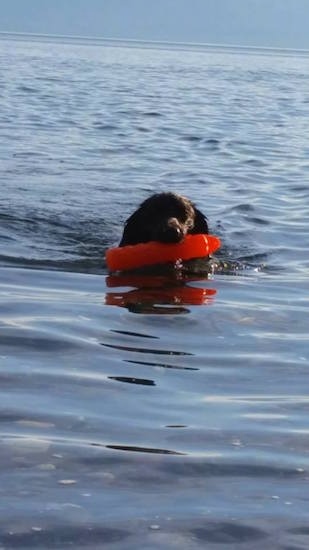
pixel 165 218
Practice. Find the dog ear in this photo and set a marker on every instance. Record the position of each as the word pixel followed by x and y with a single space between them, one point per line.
pixel 200 223
pixel 134 230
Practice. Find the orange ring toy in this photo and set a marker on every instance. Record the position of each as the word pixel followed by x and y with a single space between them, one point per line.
pixel 130 257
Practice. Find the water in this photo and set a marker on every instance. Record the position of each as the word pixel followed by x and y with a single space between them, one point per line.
pixel 180 417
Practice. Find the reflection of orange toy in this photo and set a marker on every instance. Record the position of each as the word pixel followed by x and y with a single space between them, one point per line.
pixel 182 295
pixel 157 293
pixel 139 255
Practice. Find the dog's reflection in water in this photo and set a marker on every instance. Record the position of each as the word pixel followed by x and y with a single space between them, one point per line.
pixel 157 294
pixel 163 288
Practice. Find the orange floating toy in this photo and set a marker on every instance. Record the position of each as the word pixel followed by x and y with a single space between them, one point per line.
pixel 139 255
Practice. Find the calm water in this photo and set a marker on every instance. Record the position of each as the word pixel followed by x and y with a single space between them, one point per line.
pixel 152 413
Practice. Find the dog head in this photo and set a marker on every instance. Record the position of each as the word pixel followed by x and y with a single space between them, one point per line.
pixel 164 217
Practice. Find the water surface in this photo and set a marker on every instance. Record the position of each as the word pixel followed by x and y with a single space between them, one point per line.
pixel 152 412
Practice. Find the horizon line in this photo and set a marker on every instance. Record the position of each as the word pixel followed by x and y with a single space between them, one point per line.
pixel 137 41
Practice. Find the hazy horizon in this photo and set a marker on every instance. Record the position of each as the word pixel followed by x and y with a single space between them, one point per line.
pixel 111 39
pixel 253 23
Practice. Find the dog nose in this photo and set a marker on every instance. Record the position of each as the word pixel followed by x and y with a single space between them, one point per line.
pixel 172 232
pixel 172 235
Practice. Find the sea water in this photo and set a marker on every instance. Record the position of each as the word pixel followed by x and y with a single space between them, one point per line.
pixel 153 412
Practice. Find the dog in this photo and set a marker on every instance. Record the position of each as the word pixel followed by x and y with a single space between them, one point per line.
pixel 165 218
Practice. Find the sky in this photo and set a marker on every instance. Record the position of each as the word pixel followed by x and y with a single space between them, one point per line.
pixel 268 23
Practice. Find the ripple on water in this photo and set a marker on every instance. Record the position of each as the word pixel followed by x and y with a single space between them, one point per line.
pixel 172 413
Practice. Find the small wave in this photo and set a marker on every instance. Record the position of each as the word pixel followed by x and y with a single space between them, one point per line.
pixel 146 350
pixel 52 240
pixel 152 114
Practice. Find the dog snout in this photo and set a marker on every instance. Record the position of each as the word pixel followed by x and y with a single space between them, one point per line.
pixel 171 232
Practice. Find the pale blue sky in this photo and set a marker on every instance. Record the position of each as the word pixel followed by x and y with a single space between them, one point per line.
pixel 276 23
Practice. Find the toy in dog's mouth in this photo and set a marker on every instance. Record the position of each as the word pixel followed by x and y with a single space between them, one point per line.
pixel 131 257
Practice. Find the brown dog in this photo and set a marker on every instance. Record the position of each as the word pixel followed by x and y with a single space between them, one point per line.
pixel 163 217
